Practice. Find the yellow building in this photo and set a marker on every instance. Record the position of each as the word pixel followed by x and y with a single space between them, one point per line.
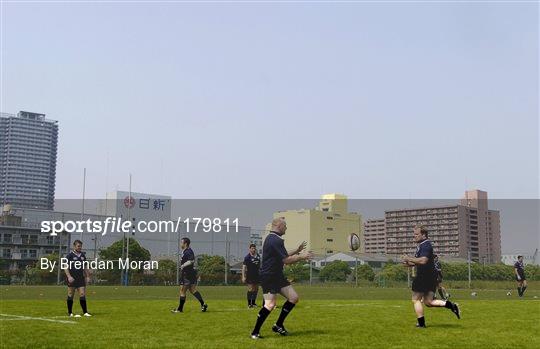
pixel 324 228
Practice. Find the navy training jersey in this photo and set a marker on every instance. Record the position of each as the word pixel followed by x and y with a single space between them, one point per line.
pixel 519 266
pixel 188 255
pixel 425 249
pixel 76 272
pixel 252 264
pixel 273 254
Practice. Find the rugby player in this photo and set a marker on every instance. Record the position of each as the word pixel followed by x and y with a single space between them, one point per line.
pixel 425 281
pixel 250 275
pixel 77 277
pixel 273 281
pixel 519 270
pixel 188 277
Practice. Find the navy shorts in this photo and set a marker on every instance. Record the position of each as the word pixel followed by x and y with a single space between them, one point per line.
pixel 253 280
pixel 522 276
pixel 79 281
pixel 273 283
pixel 188 278
pixel 424 284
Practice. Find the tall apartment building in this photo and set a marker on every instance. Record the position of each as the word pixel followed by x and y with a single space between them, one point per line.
pixel 455 230
pixel 375 236
pixel 28 148
pixel 324 228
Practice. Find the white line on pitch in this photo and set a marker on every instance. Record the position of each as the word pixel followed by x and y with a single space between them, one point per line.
pixel 36 318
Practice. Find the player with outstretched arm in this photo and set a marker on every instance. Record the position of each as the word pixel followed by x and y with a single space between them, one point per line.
pixel 425 281
pixel 273 281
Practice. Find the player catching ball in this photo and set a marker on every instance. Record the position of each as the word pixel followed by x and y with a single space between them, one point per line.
pixel 188 277
pixel 77 277
pixel 250 274
pixel 425 281
pixel 273 281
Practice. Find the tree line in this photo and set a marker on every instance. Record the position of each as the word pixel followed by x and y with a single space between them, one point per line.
pixel 211 270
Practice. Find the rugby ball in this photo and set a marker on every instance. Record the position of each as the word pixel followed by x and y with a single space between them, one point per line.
pixel 354 242
pixel 508 293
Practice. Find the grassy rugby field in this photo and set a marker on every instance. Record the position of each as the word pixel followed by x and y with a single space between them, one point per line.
pixel 326 317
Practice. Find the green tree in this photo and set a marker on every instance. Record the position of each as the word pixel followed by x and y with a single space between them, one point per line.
pixel 212 269
pixel 45 276
pixel 297 272
pixel 365 272
pixel 114 252
pixel 394 272
pixel 211 265
pixel 136 251
pixel 166 272
pixel 335 271
pixel 531 271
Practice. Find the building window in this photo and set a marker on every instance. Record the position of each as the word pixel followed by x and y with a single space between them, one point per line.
pixel 329 251
pixel 6 253
pixel 329 240
pixel 33 254
pixel 7 238
pixel 329 217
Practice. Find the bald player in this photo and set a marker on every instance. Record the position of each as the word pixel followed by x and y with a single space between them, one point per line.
pixel 425 281
pixel 273 281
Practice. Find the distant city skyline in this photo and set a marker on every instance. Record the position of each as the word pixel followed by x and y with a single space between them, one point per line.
pixel 409 100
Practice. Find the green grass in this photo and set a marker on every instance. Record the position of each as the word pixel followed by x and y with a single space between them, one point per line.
pixel 326 317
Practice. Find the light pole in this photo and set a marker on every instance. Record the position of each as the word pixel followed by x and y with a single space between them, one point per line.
pixel 469 265
pixel 226 256
pixel 356 269
pixel 59 257
pixel 83 194
pixel 126 273
pixel 178 259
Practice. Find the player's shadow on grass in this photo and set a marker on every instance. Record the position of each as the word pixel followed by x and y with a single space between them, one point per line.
pixel 446 326
pixel 307 332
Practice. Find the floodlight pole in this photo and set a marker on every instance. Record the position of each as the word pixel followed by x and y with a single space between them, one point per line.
pixel 126 274
pixel 356 268
pixel 226 255
pixel 310 272
pixel 178 258
pixel 83 194
pixel 59 257
pixel 469 265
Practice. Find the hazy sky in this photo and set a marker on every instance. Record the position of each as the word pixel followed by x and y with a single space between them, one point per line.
pixel 282 100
